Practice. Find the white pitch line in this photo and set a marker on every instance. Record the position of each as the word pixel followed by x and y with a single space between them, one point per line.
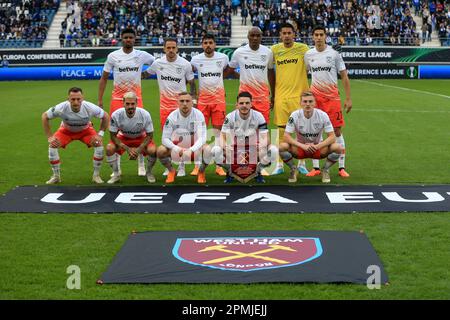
pixel 405 89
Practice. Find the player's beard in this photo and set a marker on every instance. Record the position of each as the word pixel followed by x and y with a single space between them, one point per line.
pixel 129 45
pixel 131 112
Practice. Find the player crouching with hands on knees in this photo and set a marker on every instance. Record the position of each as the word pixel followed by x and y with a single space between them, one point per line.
pixel 184 138
pixel 245 142
pixel 309 123
pixel 131 130
pixel 76 124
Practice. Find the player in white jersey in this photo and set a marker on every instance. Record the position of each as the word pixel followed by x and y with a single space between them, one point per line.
pixel 173 72
pixel 184 138
pixel 256 68
pixel 244 131
pixel 309 123
pixel 325 64
pixel 126 65
pixel 76 124
pixel 131 130
pixel 211 67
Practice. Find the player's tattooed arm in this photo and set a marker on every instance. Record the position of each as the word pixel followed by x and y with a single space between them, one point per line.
pixel 193 89
pixel 117 142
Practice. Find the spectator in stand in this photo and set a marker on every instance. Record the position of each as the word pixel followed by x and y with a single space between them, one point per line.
pixel 62 38
pixel 424 32
pixel 354 19
pixel 244 15
pixel 157 18
pixel 234 6
pixel 27 20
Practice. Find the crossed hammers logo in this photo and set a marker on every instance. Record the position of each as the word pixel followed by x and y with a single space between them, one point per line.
pixel 243 158
pixel 238 254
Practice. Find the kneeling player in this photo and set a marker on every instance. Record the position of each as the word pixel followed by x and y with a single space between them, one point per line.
pixel 244 140
pixel 309 123
pixel 184 138
pixel 76 124
pixel 131 130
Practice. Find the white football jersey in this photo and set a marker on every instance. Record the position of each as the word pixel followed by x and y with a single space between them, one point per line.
pixel 241 128
pixel 131 127
pixel 172 77
pixel 309 130
pixel 186 132
pixel 210 77
pixel 75 121
pixel 253 70
pixel 324 67
pixel 127 69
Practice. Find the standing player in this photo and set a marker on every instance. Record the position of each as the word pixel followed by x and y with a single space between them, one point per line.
pixel 126 65
pixel 76 124
pixel 290 81
pixel 309 123
pixel 172 72
pixel 184 137
pixel 131 130
pixel 245 131
pixel 256 70
pixel 211 66
pixel 325 63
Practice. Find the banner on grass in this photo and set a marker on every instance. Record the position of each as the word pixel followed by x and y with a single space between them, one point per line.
pixel 223 199
pixel 245 257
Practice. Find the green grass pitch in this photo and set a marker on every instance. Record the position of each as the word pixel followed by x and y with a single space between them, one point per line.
pixel 397 133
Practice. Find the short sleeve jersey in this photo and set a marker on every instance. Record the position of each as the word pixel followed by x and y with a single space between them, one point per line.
pixel 172 77
pixel 210 77
pixel 324 67
pixel 134 127
pixel 253 65
pixel 241 128
pixel 75 121
pixel 290 70
pixel 127 69
pixel 309 130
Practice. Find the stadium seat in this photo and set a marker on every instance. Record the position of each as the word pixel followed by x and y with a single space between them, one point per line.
pixel 38 10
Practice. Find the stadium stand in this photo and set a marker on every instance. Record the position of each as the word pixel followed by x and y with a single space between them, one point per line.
pixel 356 22
pixel 100 22
pixel 24 23
pixel 438 16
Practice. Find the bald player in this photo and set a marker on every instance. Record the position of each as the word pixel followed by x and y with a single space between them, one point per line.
pixel 256 70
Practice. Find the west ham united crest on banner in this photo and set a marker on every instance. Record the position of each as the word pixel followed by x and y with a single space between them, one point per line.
pixel 247 254
pixel 244 257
